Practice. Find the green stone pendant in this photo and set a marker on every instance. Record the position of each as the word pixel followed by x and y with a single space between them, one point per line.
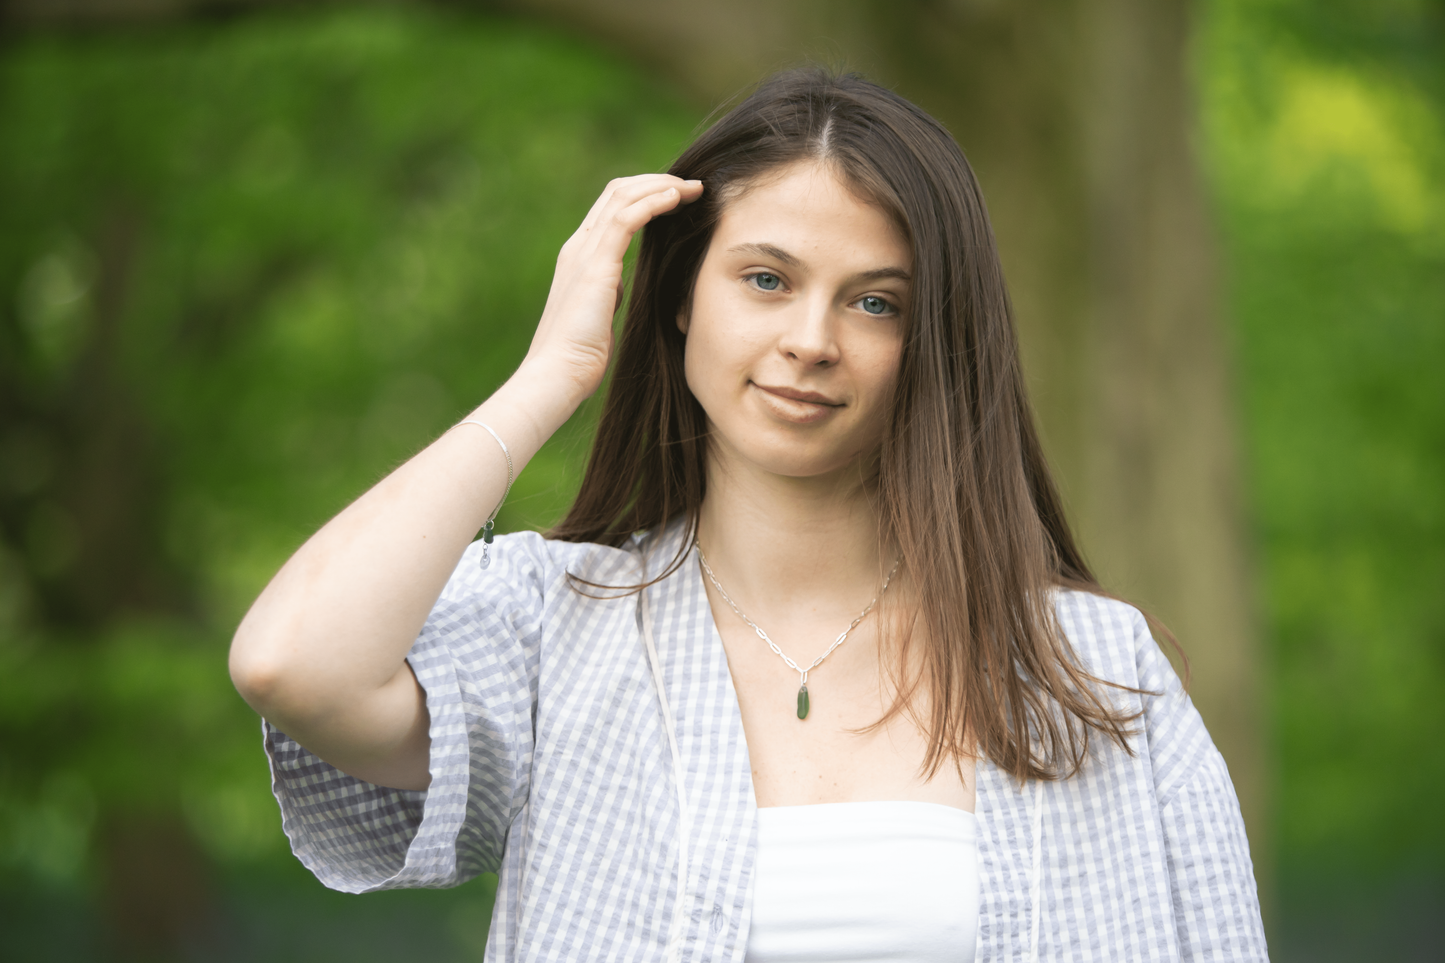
pixel 803 702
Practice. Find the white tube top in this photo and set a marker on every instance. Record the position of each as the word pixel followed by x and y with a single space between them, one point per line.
pixel 864 881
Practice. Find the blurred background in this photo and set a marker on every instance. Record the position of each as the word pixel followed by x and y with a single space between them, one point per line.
pixel 252 255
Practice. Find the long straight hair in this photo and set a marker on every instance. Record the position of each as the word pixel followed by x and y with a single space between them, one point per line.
pixel 965 494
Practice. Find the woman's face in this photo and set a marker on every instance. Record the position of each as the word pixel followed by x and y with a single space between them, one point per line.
pixel 795 328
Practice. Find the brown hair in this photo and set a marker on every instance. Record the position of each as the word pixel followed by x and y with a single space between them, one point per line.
pixel 964 492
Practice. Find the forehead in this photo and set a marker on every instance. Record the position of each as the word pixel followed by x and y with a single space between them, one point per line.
pixel 809 211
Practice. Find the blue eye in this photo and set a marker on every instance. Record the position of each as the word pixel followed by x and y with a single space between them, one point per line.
pixel 768 282
pixel 875 305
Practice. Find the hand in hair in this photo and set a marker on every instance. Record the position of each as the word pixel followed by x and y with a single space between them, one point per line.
pixel 574 338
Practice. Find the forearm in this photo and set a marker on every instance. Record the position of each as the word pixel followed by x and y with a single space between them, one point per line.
pixel 321 652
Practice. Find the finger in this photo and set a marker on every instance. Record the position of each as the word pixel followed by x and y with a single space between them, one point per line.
pixel 604 247
pixel 633 189
pixel 618 229
pixel 614 227
pixel 599 205
pixel 625 191
pixel 691 191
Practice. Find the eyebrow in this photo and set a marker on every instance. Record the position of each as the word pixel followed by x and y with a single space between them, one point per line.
pixel 778 254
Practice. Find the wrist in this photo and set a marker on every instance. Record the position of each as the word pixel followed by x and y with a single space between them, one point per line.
pixel 534 403
pixel 554 386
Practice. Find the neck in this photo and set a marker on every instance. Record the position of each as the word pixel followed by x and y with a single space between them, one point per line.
pixel 784 545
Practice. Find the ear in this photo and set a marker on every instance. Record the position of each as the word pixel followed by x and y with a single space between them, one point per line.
pixel 684 317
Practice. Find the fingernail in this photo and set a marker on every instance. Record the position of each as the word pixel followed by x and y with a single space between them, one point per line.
pixel 692 182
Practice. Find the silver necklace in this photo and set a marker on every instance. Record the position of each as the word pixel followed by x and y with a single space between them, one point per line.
pixel 803 702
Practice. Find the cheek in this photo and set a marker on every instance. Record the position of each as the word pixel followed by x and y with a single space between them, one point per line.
pixel 692 363
pixel 706 361
pixel 719 346
pixel 881 375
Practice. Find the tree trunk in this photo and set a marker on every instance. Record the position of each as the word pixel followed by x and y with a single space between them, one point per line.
pixel 90 519
pixel 157 893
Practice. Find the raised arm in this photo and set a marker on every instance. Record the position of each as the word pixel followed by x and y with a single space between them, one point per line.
pixel 322 652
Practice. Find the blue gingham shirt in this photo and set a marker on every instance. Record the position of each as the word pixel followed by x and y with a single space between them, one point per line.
pixel 551 765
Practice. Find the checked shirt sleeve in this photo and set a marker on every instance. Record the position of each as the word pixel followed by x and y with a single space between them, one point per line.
pixel 1216 904
pixel 476 657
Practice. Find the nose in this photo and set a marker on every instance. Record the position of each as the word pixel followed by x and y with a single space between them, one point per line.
pixel 808 336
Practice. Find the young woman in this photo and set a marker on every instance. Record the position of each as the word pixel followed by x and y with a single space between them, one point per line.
pixel 813 669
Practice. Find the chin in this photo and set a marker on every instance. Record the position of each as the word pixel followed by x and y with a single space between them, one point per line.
pixel 794 461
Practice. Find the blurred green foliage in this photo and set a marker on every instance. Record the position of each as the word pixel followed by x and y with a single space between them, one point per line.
pixel 1324 138
pixel 272 257
pixel 248 266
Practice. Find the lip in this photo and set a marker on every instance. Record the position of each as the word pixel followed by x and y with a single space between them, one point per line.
pixel 793 394
pixel 792 406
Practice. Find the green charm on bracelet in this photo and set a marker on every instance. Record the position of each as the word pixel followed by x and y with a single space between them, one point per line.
pixel 511 476
pixel 803 702
pixel 487 544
